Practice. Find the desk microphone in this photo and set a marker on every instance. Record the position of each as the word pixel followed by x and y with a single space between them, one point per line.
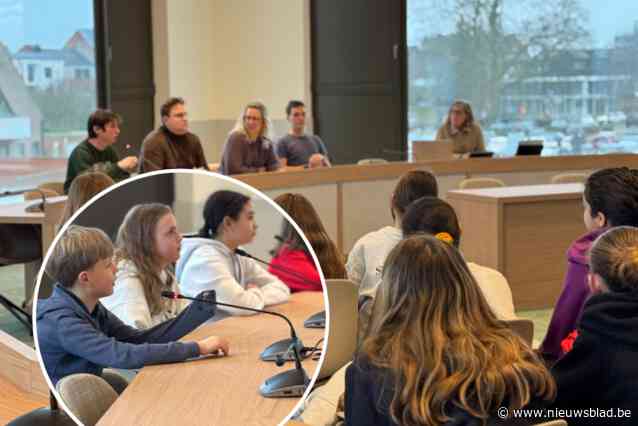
pixel 286 384
pixel 317 320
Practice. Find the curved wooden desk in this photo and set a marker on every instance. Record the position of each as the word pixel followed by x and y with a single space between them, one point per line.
pixel 221 391
pixel 353 200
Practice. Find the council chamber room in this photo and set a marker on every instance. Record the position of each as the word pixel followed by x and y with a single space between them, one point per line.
pixel 489 146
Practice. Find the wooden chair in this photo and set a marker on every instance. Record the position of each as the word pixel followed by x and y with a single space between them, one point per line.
pixel 36 195
pixel 57 187
pixel 477 183
pixel 570 178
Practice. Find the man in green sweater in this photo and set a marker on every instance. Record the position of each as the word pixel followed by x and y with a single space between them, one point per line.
pixel 96 152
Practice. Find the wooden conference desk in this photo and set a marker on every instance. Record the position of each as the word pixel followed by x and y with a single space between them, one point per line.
pixel 48 219
pixel 524 232
pixel 353 200
pixel 221 391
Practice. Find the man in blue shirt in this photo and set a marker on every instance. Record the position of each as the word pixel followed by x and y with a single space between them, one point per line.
pixel 298 148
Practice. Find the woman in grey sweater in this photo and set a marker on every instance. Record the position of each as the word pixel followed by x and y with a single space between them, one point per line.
pixel 249 148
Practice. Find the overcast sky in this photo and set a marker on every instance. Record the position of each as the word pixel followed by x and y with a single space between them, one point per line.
pixel 606 19
pixel 50 23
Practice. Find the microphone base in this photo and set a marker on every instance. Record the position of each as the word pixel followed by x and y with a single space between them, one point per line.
pixel 281 350
pixel 317 320
pixel 291 383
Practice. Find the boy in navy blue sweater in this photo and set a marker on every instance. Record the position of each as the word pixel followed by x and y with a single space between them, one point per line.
pixel 76 334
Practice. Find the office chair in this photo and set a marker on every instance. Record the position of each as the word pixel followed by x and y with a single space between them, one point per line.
pixel 570 178
pixel 476 183
pixel 19 243
pixel 87 396
pixel 522 327
pixel 365 161
pixel 45 416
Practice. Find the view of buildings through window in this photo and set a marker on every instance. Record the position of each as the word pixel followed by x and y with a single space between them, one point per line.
pixel 47 87
pixel 561 71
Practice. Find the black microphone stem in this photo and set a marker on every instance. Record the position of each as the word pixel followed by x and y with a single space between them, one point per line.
pixel 292 329
pixel 172 295
pixel 295 274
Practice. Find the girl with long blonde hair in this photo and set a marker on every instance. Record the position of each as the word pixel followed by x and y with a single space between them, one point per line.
pixel 147 246
pixel 438 354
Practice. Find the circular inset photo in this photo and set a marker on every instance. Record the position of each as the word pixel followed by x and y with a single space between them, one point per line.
pixel 181 297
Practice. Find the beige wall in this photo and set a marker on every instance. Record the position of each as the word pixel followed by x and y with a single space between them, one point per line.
pixel 221 54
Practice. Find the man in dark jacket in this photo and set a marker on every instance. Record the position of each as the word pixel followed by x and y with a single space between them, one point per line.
pixel 96 152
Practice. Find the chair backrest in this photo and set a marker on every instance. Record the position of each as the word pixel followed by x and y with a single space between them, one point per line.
pixel 483 182
pixel 57 187
pixel 342 333
pixel 87 396
pixel 570 178
pixel 524 328
pixel 36 195
pixel 365 161
pixel 19 243
pixel 559 422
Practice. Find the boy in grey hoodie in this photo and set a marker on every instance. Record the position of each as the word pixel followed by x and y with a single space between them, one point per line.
pixel 76 334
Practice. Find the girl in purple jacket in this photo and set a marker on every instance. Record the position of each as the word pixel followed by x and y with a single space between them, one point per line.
pixel 610 199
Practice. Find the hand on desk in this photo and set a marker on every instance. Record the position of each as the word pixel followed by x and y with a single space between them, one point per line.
pixel 212 345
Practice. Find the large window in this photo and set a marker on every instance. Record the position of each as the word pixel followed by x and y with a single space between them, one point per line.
pixel 47 87
pixel 562 71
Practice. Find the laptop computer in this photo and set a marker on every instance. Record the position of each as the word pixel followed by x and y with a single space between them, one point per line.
pixel 342 334
pixel 529 147
pixel 482 154
pixel 432 150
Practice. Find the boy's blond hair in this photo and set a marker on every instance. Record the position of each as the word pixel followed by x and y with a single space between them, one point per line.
pixel 79 249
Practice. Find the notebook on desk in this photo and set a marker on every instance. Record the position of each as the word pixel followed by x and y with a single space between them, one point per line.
pixel 432 150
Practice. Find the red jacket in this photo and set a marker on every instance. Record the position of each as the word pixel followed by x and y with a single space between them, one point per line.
pixel 299 262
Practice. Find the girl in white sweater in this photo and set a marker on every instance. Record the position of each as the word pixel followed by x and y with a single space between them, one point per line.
pixel 209 262
pixel 148 243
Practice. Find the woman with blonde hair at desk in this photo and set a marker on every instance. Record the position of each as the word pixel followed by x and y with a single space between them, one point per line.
pixel 249 147
pixel 292 251
pixel 147 246
pixel 210 261
pixel 82 189
pixel 461 129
